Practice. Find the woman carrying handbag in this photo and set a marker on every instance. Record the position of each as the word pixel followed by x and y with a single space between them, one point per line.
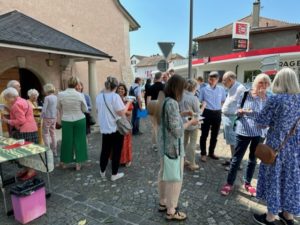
pixel 171 132
pixel 279 183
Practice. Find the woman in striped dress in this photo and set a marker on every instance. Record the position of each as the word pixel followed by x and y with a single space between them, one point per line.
pixel 248 133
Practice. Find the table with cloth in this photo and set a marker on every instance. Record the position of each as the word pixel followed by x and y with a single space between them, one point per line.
pixel 29 154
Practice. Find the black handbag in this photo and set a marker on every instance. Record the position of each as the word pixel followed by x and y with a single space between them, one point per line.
pixel 89 119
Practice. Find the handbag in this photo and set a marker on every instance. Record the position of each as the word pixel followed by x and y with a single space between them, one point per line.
pixel 142 113
pixel 89 119
pixel 123 125
pixel 172 165
pixel 267 154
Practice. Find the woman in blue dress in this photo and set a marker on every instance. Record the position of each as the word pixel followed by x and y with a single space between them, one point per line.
pixel 279 184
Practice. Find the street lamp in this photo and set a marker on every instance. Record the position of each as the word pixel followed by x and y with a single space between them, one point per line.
pixel 190 40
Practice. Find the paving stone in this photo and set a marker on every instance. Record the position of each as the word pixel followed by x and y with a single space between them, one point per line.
pixel 134 198
pixel 97 215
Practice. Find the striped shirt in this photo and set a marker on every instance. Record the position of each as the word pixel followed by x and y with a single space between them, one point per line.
pixel 214 97
pixel 246 125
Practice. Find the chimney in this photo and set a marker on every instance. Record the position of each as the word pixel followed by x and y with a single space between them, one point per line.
pixel 255 14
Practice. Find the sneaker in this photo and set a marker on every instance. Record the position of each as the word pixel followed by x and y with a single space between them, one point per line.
pixel 226 163
pixel 226 189
pixel 284 220
pixel 203 158
pixel 227 168
pixel 213 156
pixel 102 174
pixel 193 167
pixel 117 176
pixel 262 219
pixel 251 190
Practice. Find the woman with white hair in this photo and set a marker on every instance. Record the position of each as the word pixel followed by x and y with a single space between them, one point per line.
pixel 49 115
pixel 279 184
pixel 33 95
pixel 247 133
pixel 22 121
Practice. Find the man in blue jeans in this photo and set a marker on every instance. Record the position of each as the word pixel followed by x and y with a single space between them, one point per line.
pixel 136 91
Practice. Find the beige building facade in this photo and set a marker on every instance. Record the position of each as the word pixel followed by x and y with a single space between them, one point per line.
pixel 101 24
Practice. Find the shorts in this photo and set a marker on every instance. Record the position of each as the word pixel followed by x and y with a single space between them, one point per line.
pixel 229 133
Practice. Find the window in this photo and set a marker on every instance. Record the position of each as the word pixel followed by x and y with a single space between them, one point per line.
pixel 249 75
pixel 133 62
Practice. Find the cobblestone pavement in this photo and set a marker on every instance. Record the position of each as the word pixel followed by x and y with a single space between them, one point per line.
pixel 134 199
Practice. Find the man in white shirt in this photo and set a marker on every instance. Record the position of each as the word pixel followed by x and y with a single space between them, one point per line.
pixel 235 90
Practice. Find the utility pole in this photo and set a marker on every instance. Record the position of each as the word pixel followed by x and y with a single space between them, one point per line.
pixel 190 40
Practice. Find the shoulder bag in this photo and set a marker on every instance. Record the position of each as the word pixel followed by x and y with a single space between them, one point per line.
pixel 242 105
pixel 172 165
pixel 123 125
pixel 267 154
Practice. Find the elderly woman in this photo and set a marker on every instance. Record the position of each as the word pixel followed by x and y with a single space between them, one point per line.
pixel 279 184
pixel 22 121
pixel 33 95
pixel 171 131
pixel 247 132
pixel 71 104
pixel 110 105
pixel 49 115
pixel 190 102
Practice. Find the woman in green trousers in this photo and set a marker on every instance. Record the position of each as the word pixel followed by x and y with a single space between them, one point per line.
pixel 71 104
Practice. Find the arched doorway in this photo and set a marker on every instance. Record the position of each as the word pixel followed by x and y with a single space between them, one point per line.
pixel 27 79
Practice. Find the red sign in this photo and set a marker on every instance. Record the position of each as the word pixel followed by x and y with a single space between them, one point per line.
pixel 241 28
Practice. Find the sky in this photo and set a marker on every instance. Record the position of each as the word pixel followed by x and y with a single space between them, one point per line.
pixel 168 20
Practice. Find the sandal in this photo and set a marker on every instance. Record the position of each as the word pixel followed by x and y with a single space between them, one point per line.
pixel 226 189
pixel 251 190
pixel 162 208
pixel 176 216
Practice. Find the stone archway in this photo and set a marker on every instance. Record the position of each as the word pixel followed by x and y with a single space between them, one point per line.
pixel 27 79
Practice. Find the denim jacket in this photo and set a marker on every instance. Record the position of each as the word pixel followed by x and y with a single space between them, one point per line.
pixel 174 129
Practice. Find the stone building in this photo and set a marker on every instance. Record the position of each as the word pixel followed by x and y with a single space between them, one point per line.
pixel 48 41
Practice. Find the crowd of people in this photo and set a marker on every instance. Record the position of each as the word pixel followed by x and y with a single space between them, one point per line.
pixel 179 110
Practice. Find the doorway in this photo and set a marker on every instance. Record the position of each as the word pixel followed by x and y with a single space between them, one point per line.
pixel 27 79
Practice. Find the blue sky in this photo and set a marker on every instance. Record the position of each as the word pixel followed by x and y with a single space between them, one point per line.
pixel 168 20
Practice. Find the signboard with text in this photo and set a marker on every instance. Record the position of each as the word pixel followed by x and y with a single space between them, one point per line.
pixel 240 36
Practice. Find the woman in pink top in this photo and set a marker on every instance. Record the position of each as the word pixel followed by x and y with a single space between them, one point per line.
pixel 22 122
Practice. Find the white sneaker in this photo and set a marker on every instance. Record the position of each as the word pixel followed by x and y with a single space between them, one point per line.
pixel 117 176
pixel 102 174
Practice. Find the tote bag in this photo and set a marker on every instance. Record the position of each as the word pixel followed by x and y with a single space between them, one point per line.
pixel 172 165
